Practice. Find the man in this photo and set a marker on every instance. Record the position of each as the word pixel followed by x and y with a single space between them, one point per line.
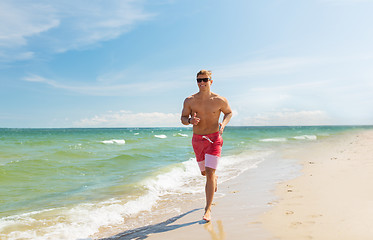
pixel 202 110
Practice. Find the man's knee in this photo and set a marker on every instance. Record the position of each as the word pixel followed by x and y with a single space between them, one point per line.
pixel 203 173
pixel 210 170
pixel 210 173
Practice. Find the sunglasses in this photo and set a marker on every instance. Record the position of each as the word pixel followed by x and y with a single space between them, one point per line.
pixel 203 79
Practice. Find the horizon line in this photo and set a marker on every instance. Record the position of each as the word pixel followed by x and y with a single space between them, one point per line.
pixel 328 125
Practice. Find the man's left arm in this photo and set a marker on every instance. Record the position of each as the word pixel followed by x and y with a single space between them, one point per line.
pixel 226 109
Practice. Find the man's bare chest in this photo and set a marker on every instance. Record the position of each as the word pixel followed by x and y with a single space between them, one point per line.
pixel 206 107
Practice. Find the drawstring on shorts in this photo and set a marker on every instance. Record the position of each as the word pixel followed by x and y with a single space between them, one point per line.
pixel 207 138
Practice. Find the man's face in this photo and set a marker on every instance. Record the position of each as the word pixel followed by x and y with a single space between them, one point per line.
pixel 204 85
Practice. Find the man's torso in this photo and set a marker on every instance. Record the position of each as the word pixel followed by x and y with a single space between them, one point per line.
pixel 208 110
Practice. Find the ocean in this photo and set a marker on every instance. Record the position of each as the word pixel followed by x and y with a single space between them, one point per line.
pixel 75 183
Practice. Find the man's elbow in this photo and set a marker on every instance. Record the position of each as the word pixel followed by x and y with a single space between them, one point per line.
pixel 182 120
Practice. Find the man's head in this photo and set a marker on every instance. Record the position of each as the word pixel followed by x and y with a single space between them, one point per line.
pixel 204 80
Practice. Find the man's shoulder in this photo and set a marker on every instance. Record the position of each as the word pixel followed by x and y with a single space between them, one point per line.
pixel 193 96
pixel 218 97
pixel 190 98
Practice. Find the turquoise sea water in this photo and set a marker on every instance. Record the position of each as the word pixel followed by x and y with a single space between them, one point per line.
pixel 69 183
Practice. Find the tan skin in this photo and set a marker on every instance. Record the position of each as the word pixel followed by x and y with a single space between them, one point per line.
pixel 203 110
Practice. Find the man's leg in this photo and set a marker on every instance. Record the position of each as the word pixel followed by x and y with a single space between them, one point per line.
pixel 210 190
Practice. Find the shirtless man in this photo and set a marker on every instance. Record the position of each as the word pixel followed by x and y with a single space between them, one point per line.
pixel 202 110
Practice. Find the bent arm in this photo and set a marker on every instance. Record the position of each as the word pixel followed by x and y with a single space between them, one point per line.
pixel 185 113
pixel 227 118
pixel 226 109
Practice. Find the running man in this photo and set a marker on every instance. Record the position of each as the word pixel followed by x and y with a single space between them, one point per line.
pixel 202 110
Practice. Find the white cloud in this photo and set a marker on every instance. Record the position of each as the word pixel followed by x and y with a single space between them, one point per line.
pixel 39 79
pixel 134 74
pixel 287 117
pixel 265 67
pixel 129 119
pixel 294 67
pixel 95 21
pixel 64 25
pixel 106 88
pixel 9 55
pixel 340 86
pixel 20 19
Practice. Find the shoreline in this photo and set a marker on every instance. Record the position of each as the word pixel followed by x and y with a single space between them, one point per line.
pixel 237 205
pixel 332 199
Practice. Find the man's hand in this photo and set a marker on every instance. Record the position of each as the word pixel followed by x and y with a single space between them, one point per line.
pixel 194 120
pixel 221 128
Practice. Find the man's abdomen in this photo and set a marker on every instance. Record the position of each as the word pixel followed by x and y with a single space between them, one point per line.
pixel 204 129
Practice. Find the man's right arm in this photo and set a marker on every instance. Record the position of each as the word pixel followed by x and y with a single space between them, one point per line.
pixel 186 113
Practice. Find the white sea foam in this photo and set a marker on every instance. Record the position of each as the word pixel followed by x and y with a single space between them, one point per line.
pixel 232 166
pixel 136 134
pixel 273 140
pixel 187 177
pixel 114 141
pixel 177 180
pixel 78 222
pixel 306 137
pixel 160 136
pixel 181 135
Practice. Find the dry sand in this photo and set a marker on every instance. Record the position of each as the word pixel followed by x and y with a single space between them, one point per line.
pixel 333 199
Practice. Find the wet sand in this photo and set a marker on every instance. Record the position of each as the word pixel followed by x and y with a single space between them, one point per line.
pixel 234 214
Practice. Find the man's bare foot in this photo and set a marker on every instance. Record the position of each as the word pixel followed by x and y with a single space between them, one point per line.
pixel 207 216
pixel 216 183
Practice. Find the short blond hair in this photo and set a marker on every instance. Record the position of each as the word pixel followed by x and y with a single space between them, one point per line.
pixel 203 72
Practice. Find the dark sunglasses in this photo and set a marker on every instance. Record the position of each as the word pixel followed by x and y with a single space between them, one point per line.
pixel 203 79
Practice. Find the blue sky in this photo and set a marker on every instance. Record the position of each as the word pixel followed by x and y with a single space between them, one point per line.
pixel 132 63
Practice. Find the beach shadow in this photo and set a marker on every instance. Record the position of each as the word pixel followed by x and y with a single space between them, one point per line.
pixel 143 232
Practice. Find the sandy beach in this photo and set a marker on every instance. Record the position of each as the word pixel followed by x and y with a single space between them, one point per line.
pixel 333 199
pixel 322 192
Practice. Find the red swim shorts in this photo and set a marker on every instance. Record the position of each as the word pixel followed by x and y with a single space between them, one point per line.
pixel 207 149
